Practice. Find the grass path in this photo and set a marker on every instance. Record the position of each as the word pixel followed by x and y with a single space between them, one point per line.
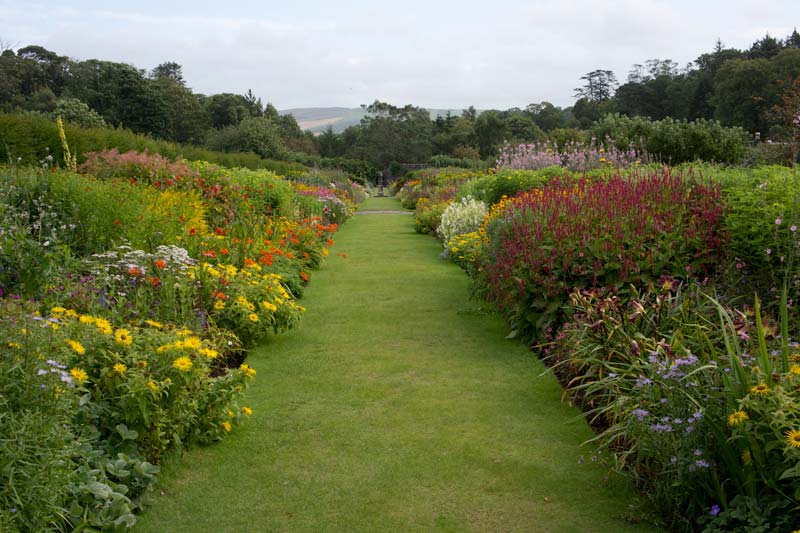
pixel 396 406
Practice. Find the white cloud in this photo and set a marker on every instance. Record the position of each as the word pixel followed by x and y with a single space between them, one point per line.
pixel 444 54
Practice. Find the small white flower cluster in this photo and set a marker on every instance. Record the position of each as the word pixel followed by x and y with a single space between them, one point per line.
pixel 461 217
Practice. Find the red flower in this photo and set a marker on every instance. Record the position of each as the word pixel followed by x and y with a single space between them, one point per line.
pixel 223 251
pixel 160 263
pixel 192 231
pixel 303 276
pixel 219 231
pixel 154 281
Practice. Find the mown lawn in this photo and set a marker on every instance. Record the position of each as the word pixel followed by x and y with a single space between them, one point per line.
pixel 396 406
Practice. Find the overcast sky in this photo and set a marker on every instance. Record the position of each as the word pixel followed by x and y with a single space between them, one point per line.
pixel 450 54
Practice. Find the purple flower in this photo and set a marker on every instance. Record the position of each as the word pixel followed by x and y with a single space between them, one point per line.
pixel 41 372
pixel 701 463
pixel 793 227
pixel 715 509
pixel 640 414
pixel 769 251
pixel 778 221
pixel 642 381
pixel 698 452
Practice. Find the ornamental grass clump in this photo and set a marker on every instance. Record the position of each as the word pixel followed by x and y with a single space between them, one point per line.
pixel 625 230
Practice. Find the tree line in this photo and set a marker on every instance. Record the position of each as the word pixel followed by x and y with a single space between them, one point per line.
pixel 741 88
pixel 158 103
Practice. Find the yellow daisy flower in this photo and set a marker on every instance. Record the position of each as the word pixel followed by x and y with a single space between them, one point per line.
pixel 119 368
pixel 76 347
pixel 793 438
pixel 184 364
pixel 78 374
pixel 123 337
pixel 737 417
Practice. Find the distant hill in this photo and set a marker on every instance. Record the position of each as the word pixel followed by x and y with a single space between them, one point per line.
pixel 317 119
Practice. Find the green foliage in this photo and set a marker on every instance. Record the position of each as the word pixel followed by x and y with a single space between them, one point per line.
pixel 258 135
pixel 28 139
pixel 491 188
pixel 696 411
pixel 428 215
pixel 674 141
pixel 74 111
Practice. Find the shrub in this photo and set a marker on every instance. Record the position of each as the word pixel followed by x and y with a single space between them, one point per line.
pixel 547 242
pixel 674 141
pixel 461 217
pixel 428 215
pixel 491 188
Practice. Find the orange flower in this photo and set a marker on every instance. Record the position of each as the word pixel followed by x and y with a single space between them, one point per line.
pixel 182 218
pixel 154 281
pixel 219 231
pixel 160 263
pixel 295 240
pixel 192 231
pixel 219 295
pixel 303 276
pixel 223 251
pixel 329 242
pixel 133 271
pixel 209 253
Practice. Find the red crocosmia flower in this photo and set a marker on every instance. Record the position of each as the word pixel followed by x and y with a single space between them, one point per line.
pixel 289 255
pixel 192 231
pixel 249 262
pixel 295 240
pixel 219 231
pixel 303 276
pixel 265 259
pixel 160 263
pixel 224 251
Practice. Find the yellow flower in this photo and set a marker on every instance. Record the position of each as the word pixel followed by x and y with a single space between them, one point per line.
pixel 119 368
pixel 793 438
pixel 795 369
pixel 78 374
pixel 247 411
pixel 103 325
pixel 184 364
pixel 123 337
pixel 247 369
pixel 154 324
pixel 71 313
pixel 14 345
pixel 58 310
pixel 152 385
pixel 219 305
pixel 211 354
pixel 76 347
pixel 269 306
pixel 183 332
pixel 229 413
pixel 253 317
pixel 86 319
pixel 226 426
pixel 192 343
pixel 761 389
pixel 737 417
